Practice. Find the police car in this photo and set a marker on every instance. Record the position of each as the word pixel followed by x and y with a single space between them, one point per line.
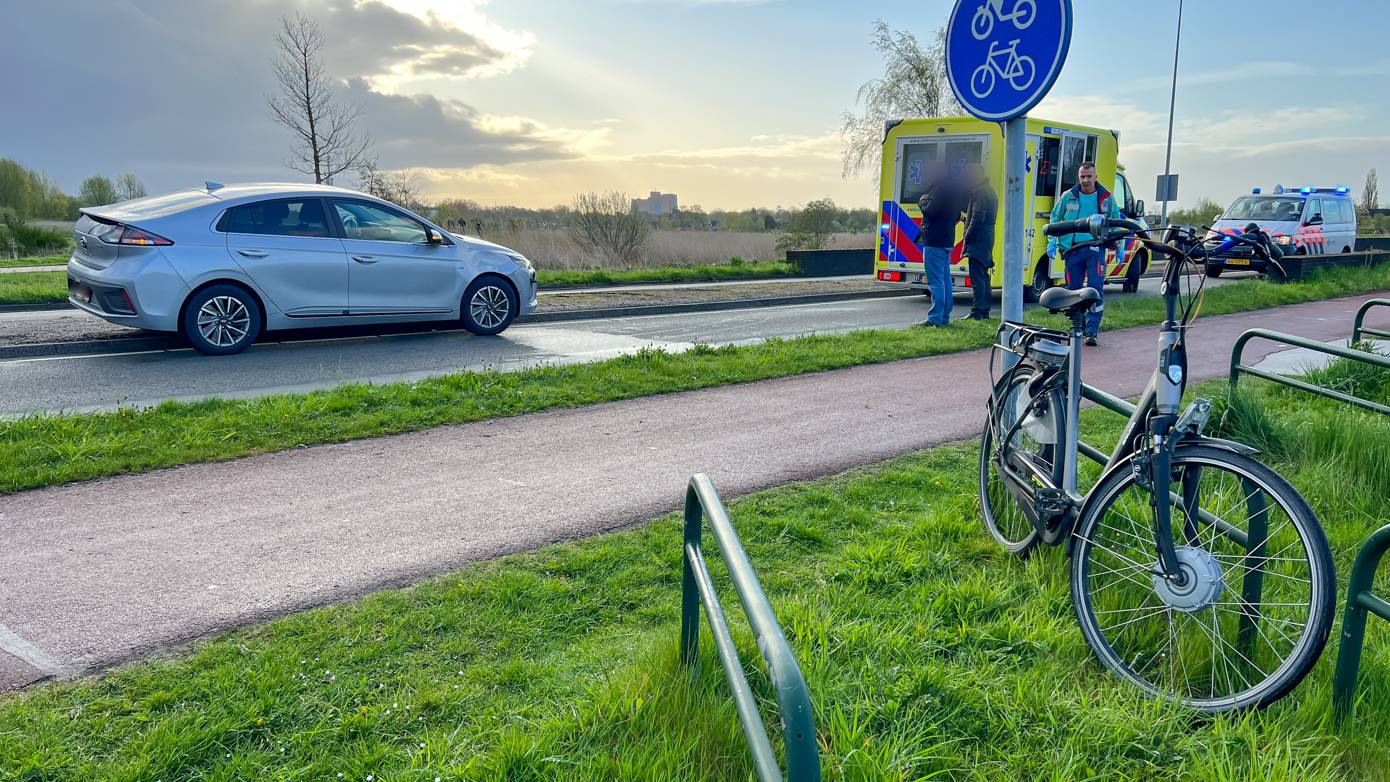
pixel 1302 221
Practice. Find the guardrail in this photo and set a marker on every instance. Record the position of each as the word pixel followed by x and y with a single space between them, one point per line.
pixel 1360 601
pixel 793 699
pixel 1237 368
pixel 1358 328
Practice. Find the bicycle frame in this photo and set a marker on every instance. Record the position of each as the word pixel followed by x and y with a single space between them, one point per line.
pixel 1153 420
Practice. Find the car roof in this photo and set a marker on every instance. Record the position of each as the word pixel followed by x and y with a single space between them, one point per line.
pixel 258 189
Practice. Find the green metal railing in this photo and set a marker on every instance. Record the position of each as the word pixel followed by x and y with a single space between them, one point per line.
pixel 1359 330
pixel 1237 368
pixel 1360 601
pixel 793 699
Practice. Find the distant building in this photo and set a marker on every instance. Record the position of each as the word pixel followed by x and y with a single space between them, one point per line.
pixel 655 203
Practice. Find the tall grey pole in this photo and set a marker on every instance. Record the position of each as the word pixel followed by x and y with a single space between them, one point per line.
pixel 1172 101
pixel 1015 175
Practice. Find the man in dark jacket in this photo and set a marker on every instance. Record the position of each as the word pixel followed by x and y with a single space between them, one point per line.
pixel 940 208
pixel 979 238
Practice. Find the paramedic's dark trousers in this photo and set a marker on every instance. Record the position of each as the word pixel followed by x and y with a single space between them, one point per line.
pixel 979 287
pixel 1086 268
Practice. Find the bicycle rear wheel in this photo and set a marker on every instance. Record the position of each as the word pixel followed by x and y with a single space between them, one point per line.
pixel 1257 605
pixel 1005 518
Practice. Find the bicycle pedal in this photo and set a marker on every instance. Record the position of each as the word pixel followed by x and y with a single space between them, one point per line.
pixel 1051 502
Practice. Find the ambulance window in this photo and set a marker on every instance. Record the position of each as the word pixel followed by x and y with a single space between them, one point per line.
pixel 1047 167
pixel 1073 155
pixel 964 152
pixel 912 183
pixel 1122 193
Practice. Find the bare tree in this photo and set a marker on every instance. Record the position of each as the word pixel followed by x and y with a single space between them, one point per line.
pixel 398 187
pixel 129 187
pixel 605 223
pixel 325 144
pixel 913 85
pixel 1370 194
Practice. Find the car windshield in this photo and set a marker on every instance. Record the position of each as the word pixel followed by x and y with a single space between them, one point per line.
pixel 1270 208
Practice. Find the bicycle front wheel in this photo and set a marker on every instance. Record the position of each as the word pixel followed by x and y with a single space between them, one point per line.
pixel 1252 612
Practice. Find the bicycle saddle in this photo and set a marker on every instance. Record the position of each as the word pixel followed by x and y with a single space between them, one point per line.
pixel 1058 299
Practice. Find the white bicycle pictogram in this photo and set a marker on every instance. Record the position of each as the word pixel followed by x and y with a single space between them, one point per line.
pixel 1020 71
pixel 982 23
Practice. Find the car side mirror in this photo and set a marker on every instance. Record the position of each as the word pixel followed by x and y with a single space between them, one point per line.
pixel 435 237
pixel 1138 209
pixel 1314 220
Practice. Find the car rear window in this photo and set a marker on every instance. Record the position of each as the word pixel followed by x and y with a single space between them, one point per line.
pixel 283 217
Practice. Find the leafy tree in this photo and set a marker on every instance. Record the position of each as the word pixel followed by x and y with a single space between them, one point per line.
pixel 1370 194
pixel 1204 212
pixel 129 188
pixel 913 85
pixel 96 190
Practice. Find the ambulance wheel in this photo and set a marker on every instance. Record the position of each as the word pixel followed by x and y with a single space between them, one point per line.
pixel 1137 267
pixel 1041 282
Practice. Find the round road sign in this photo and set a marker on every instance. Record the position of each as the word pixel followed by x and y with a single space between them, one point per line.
pixel 1002 56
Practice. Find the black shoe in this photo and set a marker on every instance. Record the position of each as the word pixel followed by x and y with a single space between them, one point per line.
pixel 979 316
pixel 1091 340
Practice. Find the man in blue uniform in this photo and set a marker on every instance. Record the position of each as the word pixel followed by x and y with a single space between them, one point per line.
pixel 1085 265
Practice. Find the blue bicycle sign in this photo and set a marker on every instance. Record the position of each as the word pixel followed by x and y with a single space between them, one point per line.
pixel 1020 71
pixel 1002 56
pixel 1021 15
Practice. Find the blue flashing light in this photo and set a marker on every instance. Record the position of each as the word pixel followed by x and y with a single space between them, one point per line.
pixel 1255 190
pixel 1343 190
pixel 1306 191
pixel 884 227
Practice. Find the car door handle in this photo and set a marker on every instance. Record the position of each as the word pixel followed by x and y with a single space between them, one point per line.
pixel 254 253
pixel 365 258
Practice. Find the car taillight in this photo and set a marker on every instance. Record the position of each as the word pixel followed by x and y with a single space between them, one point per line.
pixel 129 234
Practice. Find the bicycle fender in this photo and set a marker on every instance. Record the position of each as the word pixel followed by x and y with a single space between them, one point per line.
pixel 1124 464
pixel 1225 445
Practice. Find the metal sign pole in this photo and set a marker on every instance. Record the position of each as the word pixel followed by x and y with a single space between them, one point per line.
pixel 1015 176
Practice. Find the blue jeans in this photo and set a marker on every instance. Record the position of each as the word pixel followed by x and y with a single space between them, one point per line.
pixel 1086 268
pixel 937 261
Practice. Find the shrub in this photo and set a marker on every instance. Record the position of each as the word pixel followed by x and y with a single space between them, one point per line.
pixel 605 223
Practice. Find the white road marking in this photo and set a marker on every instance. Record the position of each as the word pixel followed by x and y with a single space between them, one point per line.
pixel 30 654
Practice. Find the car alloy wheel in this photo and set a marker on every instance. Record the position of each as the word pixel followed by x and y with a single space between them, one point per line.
pixel 490 306
pixel 224 321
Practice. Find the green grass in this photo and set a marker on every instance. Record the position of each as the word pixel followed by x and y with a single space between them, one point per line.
pixel 43 260
pixel 736 269
pixel 52 287
pixel 45 449
pixel 34 288
pixel 929 654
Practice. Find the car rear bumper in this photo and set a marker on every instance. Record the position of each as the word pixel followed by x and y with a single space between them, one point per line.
pixel 148 296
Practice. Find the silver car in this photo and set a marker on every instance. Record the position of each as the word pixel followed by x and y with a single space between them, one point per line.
pixel 223 264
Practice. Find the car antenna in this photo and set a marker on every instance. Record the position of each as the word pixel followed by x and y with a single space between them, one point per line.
pixel 213 185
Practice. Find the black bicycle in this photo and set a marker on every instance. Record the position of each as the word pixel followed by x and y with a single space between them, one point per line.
pixel 1197 573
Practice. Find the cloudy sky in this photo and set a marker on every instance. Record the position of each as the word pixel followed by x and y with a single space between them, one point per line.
pixel 728 103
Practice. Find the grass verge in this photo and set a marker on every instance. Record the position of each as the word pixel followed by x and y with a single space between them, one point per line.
pixel 929 654
pixel 40 450
pixel 52 287
pixel 34 288
pixel 708 272
pixel 43 260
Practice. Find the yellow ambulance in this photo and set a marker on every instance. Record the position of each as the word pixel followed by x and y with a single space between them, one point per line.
pixel 1055 152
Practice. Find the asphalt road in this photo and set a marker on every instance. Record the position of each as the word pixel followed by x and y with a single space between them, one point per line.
pixel 95 573
pixel 105 381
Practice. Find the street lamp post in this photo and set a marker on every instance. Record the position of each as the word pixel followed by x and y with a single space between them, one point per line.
pixel 1172 100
